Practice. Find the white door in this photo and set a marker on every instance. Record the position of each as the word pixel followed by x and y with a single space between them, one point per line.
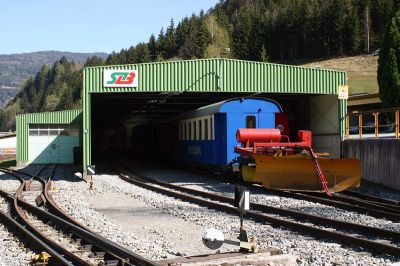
pixel 52 143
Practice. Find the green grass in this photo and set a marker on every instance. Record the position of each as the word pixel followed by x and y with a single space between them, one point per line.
pixel 363 84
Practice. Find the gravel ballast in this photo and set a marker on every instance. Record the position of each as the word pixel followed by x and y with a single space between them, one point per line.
pixel 200 182
pixel 93 207
pixel 12 251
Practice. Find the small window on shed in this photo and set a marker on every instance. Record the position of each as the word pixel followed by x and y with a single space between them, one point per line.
pixel 54 130
pixel 206 129
pixel 250 121
pixel 33 130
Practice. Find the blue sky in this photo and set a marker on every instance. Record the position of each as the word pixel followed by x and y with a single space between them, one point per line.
pixel 87 25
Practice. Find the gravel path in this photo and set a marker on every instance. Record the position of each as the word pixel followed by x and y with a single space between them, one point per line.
pixel 75 197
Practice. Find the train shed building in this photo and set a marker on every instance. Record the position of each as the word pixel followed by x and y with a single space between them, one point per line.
pixel 48 137
pixel 118 99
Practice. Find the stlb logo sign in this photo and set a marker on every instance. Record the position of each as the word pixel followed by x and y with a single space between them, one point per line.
pixel 120 78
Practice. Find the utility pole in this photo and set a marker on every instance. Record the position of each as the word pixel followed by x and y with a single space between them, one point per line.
pixel 366 15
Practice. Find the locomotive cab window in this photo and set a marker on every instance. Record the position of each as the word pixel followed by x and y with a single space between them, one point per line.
pixel 250 121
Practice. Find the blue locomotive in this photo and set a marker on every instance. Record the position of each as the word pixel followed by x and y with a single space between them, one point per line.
pixel 207 135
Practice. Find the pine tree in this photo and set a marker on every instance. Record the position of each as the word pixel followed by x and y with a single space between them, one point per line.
pixel 263 54
pixel 389 63
pixel 170 43
pixel 142 53
pixel 352 33
pixel 112 59
pixel 152 48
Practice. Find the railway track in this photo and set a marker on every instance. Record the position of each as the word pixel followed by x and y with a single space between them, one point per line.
pixel 346 200
pixel 343 200
pixel 374 240
pixel 68 242
pixel 377 200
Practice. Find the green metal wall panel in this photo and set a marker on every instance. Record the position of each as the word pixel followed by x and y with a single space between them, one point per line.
pixel 23 121
pixel 211 75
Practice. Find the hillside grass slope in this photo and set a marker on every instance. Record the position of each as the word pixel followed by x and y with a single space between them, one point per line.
pixel 361 70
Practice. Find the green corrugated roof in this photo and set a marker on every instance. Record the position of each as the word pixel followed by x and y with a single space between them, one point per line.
pixel 222 75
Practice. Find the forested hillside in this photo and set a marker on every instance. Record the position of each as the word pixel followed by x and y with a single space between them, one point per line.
pixel 16 68
pixel 287 31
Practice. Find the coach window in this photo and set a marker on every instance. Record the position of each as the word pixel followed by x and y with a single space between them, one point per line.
pixel 200 130
pixel 211 128
pixel 187 131
pixel 205 129
pixel 194 131
pixel 190 130
pixel 250 121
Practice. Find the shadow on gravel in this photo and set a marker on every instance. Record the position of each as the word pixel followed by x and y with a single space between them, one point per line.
pixel 63 172
pixel 181 175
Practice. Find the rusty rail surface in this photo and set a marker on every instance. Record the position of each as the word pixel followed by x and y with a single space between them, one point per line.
pixel 99 247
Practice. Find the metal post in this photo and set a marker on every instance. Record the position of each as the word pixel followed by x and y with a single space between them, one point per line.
pixel 376 124
pixel 397 124
pixel 347 126
pixel 360 125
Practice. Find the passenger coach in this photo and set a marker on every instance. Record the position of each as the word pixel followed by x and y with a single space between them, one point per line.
pixel 207 135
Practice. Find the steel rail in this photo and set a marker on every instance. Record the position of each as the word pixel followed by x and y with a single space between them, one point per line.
pixel 125 256
pixel 335 203
pixel 378 200
pixel 373 206
pixel 323 221
pixel 60 251
pixel 360 202
pixel 37 243
pixel 50 203
pixel 59 212
pixel 372 246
